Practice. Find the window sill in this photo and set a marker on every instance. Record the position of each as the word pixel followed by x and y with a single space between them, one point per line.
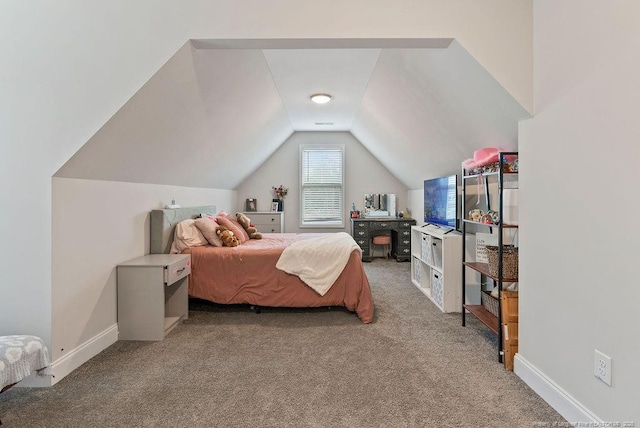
pixel 323 225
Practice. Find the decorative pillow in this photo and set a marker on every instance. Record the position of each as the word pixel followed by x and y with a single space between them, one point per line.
pixel 186 235
pixel 234 220
pixel 235 227
pixel 208 227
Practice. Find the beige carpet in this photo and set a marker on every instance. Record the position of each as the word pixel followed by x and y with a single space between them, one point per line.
pixel 229 367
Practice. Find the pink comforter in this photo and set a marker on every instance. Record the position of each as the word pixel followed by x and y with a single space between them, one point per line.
pixel 247 274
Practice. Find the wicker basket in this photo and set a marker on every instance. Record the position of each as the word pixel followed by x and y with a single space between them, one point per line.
pixel 489 302
pixel 509 261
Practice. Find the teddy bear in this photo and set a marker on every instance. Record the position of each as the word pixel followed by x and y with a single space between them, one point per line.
pixel 475 214
pixel 227 237
pixel 486 218
pixel 245 222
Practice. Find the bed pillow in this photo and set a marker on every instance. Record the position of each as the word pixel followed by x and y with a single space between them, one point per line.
pixel 243 231
pixel 235 227
pixel 208 227
pixel 186 235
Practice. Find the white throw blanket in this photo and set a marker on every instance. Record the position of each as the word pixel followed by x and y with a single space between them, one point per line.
pixel 318 262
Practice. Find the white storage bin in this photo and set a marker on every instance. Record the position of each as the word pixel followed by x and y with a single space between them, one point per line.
pixel 426 249
pixel 436 253
pixel 437 292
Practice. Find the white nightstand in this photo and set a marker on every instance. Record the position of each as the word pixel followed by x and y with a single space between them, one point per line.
pixel 153 295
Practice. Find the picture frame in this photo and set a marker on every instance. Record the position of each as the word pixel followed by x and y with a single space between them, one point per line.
pixel 251 205
pixel 274 206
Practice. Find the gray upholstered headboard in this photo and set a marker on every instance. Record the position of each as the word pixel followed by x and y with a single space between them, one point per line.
pixel 163 222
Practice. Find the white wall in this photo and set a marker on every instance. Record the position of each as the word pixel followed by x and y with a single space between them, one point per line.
pixel 416 205
pixel 67 67
pixel 96 226
pixel 579 174
pixel 363 174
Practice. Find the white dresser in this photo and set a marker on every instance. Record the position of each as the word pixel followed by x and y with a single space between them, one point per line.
pixel 267 221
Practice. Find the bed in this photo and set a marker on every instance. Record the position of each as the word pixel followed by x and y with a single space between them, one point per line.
pixel 247 274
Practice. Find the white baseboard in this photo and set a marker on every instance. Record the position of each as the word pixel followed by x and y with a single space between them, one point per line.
pixel 74 359
pixel 568 407
pixel 83 353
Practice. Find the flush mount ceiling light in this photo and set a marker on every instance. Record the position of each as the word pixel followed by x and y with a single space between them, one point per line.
pixel 321 98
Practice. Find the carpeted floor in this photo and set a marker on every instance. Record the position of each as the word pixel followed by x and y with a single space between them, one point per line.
pixel 229 367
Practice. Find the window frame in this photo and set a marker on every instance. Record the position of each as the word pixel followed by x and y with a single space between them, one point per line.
pixel 335 224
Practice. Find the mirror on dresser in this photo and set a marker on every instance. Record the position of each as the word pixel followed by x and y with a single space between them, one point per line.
pixel 380 205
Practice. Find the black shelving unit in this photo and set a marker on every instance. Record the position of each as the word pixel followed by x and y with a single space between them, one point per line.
pixel 503 169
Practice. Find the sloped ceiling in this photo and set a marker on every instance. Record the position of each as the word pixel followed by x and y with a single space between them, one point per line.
pixel 216 111
pixel 427 110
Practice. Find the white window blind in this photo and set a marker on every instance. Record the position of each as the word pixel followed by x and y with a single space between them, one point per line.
pixel 321 178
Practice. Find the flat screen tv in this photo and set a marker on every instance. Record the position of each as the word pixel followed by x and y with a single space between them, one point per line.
pixel 441 201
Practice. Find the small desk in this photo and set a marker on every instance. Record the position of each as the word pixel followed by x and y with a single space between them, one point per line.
pixel 363 229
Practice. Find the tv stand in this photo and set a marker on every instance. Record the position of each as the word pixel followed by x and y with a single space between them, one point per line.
pixel 436 255
pixel 363 229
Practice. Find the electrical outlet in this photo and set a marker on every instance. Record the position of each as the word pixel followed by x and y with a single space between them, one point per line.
pixel 602 367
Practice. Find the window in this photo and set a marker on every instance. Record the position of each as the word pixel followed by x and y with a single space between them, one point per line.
pixel 321 183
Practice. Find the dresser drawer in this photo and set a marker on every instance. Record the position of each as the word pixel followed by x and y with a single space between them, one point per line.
pixel 382 225
pixel 360 225
pixel 268 228
pixel 361 234
pixel 177 270
pixel 406 224
pixel 404 234
pixel 404 241
pixel 267 222
pixel 265 219
pixel 404 251
pixel 404 248
pixel 363 243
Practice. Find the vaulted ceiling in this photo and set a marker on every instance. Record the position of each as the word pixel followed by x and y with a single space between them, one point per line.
pixel 419 106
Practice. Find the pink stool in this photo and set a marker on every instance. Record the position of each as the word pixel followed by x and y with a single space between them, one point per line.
pixel 384 241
